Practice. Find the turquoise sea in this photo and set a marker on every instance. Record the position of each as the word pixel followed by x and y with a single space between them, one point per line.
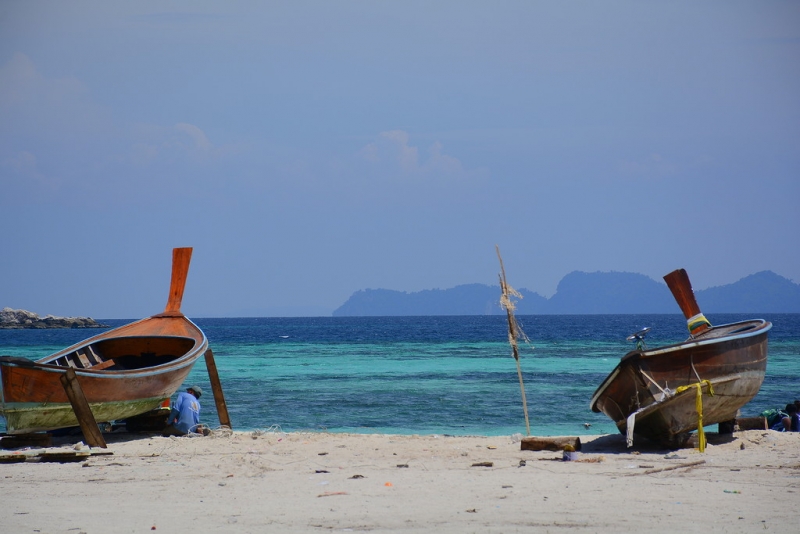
pixel 428 375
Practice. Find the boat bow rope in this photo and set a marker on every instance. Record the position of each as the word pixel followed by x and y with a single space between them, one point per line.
pixel 701 435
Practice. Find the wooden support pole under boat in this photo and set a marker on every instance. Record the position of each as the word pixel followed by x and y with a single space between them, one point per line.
pixel 216 389
pixel 681 288
pixel 534 443
pixel 726 427
pixel 91 432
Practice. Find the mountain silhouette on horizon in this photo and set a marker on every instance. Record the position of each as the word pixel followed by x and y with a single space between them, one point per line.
pixel 582 293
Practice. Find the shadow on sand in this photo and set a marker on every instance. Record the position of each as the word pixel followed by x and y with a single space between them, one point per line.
pixel 615 444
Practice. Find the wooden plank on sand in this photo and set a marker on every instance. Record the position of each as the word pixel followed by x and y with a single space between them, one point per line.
pixel 38 439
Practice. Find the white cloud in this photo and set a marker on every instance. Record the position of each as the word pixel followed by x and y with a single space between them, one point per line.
pixel 154 143
pixel 393 152
pixel 197 135
pixel 56 118
pixel 47 108
pixel 443 162
pixel 22 170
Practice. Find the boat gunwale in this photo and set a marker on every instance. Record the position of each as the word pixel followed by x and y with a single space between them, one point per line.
pixel 762 328
pixel 105 335
pixel 187 358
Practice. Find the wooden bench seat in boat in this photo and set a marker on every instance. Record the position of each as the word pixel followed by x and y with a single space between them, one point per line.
pixel 83 360
pixel 103 365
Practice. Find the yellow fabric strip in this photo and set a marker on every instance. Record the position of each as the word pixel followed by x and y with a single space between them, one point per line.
pixel 701 435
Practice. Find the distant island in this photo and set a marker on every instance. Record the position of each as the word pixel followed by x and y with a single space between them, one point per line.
pixel 582 293
pixel 16 319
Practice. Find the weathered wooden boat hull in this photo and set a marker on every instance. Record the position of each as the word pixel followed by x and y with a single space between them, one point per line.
pixel 122 372
pixel 24 418
pixel 732 358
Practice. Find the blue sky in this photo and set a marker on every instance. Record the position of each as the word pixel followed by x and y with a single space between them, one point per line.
pixel 307 150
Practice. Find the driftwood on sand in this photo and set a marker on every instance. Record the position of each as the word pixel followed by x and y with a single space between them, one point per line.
pixel 533 443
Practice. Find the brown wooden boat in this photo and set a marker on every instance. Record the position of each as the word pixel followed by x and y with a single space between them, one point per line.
pixel 123 372
pixel 654 392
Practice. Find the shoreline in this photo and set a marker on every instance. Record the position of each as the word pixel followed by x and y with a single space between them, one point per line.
pixel 317 481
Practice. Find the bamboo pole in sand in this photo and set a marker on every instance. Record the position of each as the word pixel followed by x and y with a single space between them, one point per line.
pixel 514 331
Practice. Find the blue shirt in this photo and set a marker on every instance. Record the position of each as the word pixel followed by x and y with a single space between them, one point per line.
pixel 187 412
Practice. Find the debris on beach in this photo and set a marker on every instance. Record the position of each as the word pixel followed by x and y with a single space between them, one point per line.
pixel 688 465
pixel 76 453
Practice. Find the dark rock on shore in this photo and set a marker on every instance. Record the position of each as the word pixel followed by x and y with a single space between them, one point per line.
pixel 24 319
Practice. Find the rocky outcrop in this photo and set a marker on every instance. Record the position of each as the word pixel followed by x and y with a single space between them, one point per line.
pixel 24 319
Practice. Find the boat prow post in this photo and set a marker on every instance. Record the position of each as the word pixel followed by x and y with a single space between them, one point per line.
pixel 181 257
pixel 681 288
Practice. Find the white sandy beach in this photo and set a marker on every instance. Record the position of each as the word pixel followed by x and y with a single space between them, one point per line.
pixel 318 482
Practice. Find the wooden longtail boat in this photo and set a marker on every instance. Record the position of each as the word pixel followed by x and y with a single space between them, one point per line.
pixel 664 393
pixel 123 372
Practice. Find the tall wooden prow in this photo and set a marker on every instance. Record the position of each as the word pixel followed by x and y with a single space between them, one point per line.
pixel 678 282
pixel 181 257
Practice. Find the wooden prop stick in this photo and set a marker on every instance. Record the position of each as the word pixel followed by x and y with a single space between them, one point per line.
pixel 216 389
pixel 514 332
pixel 681 288
pixel 91 432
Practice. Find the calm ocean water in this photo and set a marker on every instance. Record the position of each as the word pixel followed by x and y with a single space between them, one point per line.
pixel 428 375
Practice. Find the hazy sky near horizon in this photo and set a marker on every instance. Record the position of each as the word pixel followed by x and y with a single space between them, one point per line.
pixel 310 149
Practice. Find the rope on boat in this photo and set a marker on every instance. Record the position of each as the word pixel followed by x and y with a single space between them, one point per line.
pixel 664 393
pixel 701 435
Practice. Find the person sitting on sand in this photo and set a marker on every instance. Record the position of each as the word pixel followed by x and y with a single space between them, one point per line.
pixel 791 422
pixel 184 418
pixel 786 420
